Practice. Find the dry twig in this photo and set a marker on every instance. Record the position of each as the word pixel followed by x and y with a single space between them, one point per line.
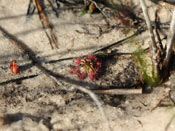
pixel 96 5
pixel 46 24
pixel 119 91
pixel 31 9
pixel 118 43
pixel 170 40
pixel 154 46
pixel 18 79
pixel 53 8
pixel 157 26
pixel 172 87
pixel 160 101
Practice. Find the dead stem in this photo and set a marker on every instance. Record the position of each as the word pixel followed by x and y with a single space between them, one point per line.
pixel 119 91
pixel 18 79
pixel 31 9
pixel 160 101
pixel 46 24
pixel 53 8
pixel 170 40
pixel 172 87
pixel 157 32
pixel 149 26
pixel 105 16
pixel 119 42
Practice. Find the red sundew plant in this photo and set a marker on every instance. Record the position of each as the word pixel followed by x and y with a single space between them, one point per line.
pixel 87 67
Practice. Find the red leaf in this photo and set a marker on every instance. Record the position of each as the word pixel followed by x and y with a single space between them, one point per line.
pixel 82 75
pixel 92 77
pixel 92 57
pixel 75 71
pixel 78 61
pixel 98 64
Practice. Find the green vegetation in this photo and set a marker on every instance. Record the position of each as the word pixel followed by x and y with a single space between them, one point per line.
pixel 83 13
pixel 150 77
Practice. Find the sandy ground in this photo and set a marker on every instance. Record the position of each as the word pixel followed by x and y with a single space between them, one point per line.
pixel 37 103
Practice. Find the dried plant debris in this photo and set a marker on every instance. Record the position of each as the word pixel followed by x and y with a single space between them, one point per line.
pixel 124 15
pixel 31 9
pixel 46 24
pixel 40 5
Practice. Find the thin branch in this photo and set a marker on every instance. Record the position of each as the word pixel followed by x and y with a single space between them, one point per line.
pixel 119 91
pixel 18 79
pixel 170 40
pixel 46 24
pixel 30 10
pixel 157 26
pixel 148 22
pixel 105 16
pixel 160 101
pixel 172 87
pixel 119 42
pixel 53 8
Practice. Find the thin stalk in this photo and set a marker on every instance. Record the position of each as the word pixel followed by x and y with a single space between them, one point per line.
pixel 148 23
pixel 170 39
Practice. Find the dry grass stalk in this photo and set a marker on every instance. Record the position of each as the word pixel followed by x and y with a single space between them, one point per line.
pixel 119 91
pixel 31 9
pixel 102 12
pixel 53 8
pixel 46 24
pixel 148 22
pixel 170 40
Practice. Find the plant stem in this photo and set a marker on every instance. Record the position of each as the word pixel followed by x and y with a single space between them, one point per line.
pixel 148 23
pixel 170 39
pixel 119 91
